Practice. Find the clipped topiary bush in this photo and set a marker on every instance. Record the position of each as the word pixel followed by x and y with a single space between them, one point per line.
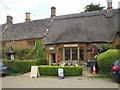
pixel 53 70
pixel 106 59
pixel 41 61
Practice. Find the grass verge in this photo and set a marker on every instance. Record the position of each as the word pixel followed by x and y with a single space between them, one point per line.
pixel 101 76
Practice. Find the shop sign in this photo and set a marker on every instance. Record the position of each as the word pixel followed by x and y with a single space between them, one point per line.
pixel 51 48
pixel 70 45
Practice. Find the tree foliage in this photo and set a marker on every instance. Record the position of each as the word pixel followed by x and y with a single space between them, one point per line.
pixel 106 47
pixel 93 7
pixel 24 53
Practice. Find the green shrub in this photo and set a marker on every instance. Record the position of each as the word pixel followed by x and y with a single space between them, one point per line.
pixel 106 59
pixel 22 66
pixel 19 66
pixel 41 61
pixel 53 70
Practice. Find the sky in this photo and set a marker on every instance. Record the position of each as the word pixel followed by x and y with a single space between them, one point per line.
pixel 40 9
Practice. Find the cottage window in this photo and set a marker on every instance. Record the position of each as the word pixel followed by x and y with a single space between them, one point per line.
pixel 81 53
pixel 118 34
pixel 31 43
pixel 117 47
pixel 67 53
pixel 74 53
pixel 3 44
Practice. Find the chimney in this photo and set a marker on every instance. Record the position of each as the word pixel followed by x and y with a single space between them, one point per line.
pixel 119 5
pixel 109 6
pixel 53 12
pixel 9 20
pixel 27 20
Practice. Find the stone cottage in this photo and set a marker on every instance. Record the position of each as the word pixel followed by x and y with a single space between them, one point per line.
pixel 65 37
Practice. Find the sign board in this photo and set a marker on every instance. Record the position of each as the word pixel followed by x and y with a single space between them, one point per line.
pixel 70 45
pixel 51 48
pixel 34 72
pixel 12 56
pixel 61 73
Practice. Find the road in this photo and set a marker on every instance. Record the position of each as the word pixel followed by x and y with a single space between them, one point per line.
pixel 45 82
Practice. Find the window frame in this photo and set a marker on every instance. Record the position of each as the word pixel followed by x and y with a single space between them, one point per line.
pixel 31 43
pixel 117 47
pixel 82 53
pixel 76 53
pixel 3 44
pixel 68 57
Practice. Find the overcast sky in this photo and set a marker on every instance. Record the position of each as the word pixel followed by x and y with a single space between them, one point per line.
pixel 40 9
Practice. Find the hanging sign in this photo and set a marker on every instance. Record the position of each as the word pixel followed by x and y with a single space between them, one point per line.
pixel 34 72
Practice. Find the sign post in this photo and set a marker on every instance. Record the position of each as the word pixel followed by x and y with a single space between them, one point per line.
pixel 60 73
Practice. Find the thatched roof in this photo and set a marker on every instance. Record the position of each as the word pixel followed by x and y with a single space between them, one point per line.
pixel 96 26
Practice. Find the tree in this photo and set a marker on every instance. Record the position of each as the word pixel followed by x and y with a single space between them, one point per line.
pixel 93 7
pixel 106 47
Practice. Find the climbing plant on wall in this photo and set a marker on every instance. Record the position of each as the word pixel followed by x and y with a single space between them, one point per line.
pixel 24 53
pixel 39 53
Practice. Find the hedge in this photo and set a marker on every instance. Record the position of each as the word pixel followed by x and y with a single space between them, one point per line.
pixel 22 66
pixel 19 66
pixel 41 61
pixel 106 59
pixel 53 70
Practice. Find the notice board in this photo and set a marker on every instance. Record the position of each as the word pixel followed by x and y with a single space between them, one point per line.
pixel 34 72
pixel 60 73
